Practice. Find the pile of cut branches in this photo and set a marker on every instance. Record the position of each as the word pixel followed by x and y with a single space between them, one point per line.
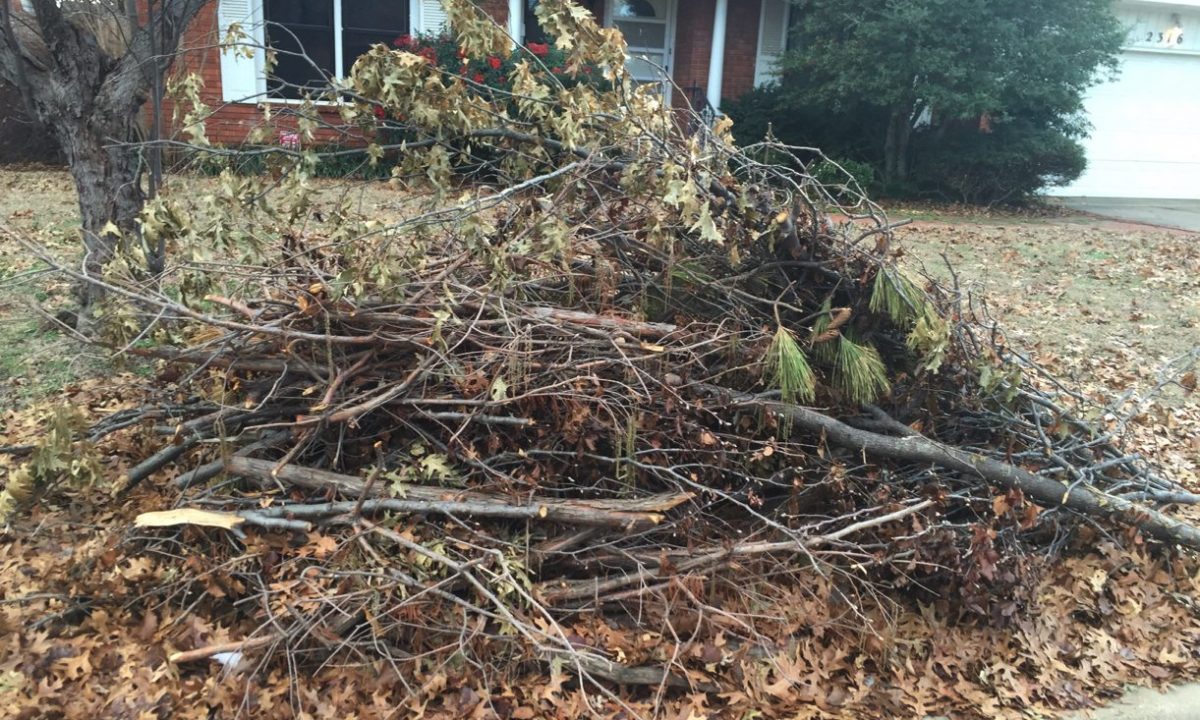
pixel 636 374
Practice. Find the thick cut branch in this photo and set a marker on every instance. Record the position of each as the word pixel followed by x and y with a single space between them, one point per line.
pixel 591 664
pixel 1045 491
pixel 206 652
pixel 634 514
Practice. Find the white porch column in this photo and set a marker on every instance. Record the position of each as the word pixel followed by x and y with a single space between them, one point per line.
pixel 716 57
pixel 516 20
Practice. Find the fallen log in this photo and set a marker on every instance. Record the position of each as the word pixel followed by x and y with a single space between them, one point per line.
pixel 210 470
pixel 914 447
pixel 634 514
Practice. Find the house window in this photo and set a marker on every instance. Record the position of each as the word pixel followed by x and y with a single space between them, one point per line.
pixel 534 32
pixel 635 8
pixel 777 30
pixel 315 39
pixel 643 22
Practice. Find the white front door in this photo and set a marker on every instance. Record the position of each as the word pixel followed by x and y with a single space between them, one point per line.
pixel 649 30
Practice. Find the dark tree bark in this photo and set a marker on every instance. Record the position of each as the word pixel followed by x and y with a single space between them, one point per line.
pixel 895 145
pixel 1045 491
pixel 905 132
pixel 85 69
pixel 889 149
pixel 109 185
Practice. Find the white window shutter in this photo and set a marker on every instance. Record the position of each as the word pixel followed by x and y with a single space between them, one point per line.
pixel 430 17
pixel 243 78
pixel 772 41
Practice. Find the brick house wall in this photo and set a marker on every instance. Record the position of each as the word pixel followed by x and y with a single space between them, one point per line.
pixel 693 33
pixel 229 123
pixel 200 54
pixel 741 47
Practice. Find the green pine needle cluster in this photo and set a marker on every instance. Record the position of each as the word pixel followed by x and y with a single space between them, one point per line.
pixel 900 298
pixel 788 368
pixel 897 296
pixel 826 351
pixel 859 372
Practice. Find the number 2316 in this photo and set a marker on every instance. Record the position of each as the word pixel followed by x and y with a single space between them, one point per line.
pixel 1162 36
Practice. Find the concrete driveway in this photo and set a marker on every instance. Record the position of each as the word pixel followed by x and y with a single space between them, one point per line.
pixel 1182 214
pixel 1180 703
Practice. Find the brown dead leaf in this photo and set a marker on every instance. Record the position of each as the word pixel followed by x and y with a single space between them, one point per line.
pixel 1000 505
pixel 149 626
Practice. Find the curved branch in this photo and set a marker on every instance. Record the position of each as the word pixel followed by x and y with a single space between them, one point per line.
pixel 1045 491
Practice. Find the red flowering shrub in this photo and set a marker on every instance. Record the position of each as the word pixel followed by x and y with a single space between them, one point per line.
pixel 494 71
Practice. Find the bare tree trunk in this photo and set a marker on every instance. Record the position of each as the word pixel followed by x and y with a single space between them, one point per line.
pixel 895 145
pixel 889 149
pixel 86 70
pixel 107 174
pixel 903 132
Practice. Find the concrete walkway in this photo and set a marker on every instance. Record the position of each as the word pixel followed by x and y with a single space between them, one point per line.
pixel 1181 703
pixel 1182 214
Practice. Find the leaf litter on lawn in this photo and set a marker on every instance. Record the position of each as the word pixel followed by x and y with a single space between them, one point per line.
pixel 1113 308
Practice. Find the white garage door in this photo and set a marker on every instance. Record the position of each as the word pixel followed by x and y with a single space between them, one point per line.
pixel 1145 140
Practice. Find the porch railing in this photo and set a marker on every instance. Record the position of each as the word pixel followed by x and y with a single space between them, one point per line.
pixel 703 113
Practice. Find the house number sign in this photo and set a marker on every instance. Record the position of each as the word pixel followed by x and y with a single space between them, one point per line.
pixel 1162 30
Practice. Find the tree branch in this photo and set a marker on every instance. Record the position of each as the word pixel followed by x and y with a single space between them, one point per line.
pixel 918 448
pixel 633 514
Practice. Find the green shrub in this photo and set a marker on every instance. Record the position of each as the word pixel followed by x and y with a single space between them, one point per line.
pixel 846 132
pixel 952 161
pixel 844 172
pixel 1008 165
pixel 21 139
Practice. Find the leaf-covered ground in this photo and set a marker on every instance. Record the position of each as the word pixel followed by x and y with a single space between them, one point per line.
pixel 86 632
pixel 1104 305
